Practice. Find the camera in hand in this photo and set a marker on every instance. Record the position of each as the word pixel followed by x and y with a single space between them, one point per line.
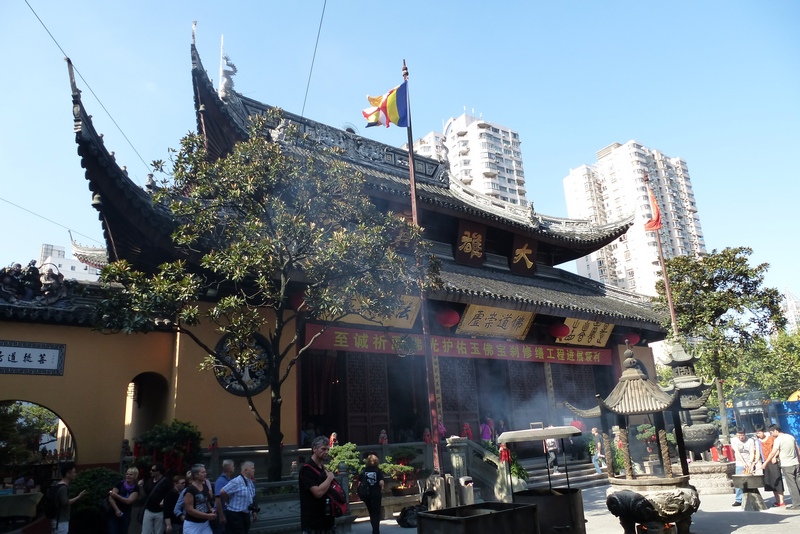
pixel 253 508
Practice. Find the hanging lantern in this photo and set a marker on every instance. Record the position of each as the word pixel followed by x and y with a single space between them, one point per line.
pixel 632 337
pixel 559 330
pixel 447 317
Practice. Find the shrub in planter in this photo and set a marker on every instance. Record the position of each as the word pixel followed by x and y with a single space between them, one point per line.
pixel 346 454
pixel 175 444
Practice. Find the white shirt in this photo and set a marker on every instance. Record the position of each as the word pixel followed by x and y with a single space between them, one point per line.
pixel 745 451
pixel 787 449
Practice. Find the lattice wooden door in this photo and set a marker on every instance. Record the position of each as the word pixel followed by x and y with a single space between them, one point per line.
pixel 367 397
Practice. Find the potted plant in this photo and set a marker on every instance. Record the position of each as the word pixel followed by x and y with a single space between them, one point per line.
pixel 401 469
pixel 647 435
pixel 348 455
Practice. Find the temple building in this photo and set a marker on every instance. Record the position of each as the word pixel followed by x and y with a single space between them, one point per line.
pixel 511 334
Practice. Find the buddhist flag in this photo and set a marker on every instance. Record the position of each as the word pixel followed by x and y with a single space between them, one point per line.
pixel 389 108
pixel 655 223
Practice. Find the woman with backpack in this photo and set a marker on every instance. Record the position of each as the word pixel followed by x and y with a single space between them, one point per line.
pixel 370 486
pixel 120 499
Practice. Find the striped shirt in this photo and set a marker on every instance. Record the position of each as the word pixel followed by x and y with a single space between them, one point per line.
pixel 242 493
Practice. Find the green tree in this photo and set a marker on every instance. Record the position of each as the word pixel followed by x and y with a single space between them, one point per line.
pixel 21 426
pixel 770 366
pixel 268 222
pixel 723 308
pixel 12 448
pixel 36 420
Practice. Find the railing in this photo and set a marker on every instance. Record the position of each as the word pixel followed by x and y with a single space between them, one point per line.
pixel 494 475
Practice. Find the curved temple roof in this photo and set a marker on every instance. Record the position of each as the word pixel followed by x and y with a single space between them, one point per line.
pixel 138 230
pixel 386 170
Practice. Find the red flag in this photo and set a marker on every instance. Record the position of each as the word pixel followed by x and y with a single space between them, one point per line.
pixel 655 223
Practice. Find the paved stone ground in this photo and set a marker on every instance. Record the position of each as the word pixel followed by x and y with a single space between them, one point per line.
pixel 715 516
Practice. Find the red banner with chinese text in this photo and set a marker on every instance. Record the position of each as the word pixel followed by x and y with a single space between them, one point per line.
pixel 357 340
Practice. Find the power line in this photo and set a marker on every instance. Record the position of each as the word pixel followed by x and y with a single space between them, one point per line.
pixel 308 84
pixel 50 220
pixel 89 87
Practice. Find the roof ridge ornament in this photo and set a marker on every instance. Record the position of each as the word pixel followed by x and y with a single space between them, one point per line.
pixel 225 75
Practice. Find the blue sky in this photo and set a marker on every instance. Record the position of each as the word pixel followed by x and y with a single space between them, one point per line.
pixel 714 82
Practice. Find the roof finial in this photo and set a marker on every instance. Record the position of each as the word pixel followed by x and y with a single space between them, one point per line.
pixel 194 32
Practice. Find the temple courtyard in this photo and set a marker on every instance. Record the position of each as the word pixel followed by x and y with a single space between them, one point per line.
pixel 715 516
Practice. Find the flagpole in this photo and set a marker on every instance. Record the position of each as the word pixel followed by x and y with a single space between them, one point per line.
pixel 667 290
pixel 431 361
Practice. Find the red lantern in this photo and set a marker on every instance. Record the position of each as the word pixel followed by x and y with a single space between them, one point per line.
pixel 632 337
pixel 447 317
pixel 559 330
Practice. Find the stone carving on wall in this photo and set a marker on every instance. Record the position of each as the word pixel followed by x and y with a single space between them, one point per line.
pixel 28 286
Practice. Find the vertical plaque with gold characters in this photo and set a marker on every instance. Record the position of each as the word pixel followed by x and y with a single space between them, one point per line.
pixel 469 247
pixel 523 256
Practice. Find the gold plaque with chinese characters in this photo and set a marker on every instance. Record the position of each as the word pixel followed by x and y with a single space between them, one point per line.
pixel 470 243
pixel 586 333
pixel 495 322
pixel 523 256
pixel 404 317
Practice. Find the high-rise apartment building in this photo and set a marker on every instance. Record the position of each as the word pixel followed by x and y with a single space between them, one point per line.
pixel 790 306
pixel 481 154
pixel 614 188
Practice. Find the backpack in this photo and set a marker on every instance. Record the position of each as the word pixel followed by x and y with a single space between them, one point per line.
pixel 363 487
pixel 336 495
pixel 338 499
pixel 408 516
pixel 51 503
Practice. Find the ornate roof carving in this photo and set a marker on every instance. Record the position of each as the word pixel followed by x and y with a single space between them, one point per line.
pixel 30 288
pixel 635 394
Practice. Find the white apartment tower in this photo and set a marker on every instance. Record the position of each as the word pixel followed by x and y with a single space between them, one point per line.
pixel 612 189
pixel 481 154
pixel 790 306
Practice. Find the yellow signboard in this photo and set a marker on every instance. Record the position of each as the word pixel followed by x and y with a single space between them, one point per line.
pixel 591 333
pixel 495 322
pixel 404 317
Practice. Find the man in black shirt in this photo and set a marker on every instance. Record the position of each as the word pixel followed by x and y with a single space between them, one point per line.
pixel 155 489
pixel 315 480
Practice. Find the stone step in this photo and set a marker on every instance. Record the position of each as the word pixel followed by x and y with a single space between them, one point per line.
pixel 582 474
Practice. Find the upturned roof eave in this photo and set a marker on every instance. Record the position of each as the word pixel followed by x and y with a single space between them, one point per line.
pixel 134 227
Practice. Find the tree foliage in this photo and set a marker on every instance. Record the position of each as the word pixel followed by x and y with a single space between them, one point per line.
pixel 21 426
pixel 178 440
pixel 723 309
pixel 771 367
pixel 270 221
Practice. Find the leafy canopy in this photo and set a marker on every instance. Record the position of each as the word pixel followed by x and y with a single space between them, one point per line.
pixel 279 217
pixel 722 308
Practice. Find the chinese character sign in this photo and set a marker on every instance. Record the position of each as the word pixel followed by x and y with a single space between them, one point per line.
pixel 20 357
pixel 403 317
pixel 469 245
pixel 523 256
pixel 495 322
pixel 586 333
pixel 376 342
